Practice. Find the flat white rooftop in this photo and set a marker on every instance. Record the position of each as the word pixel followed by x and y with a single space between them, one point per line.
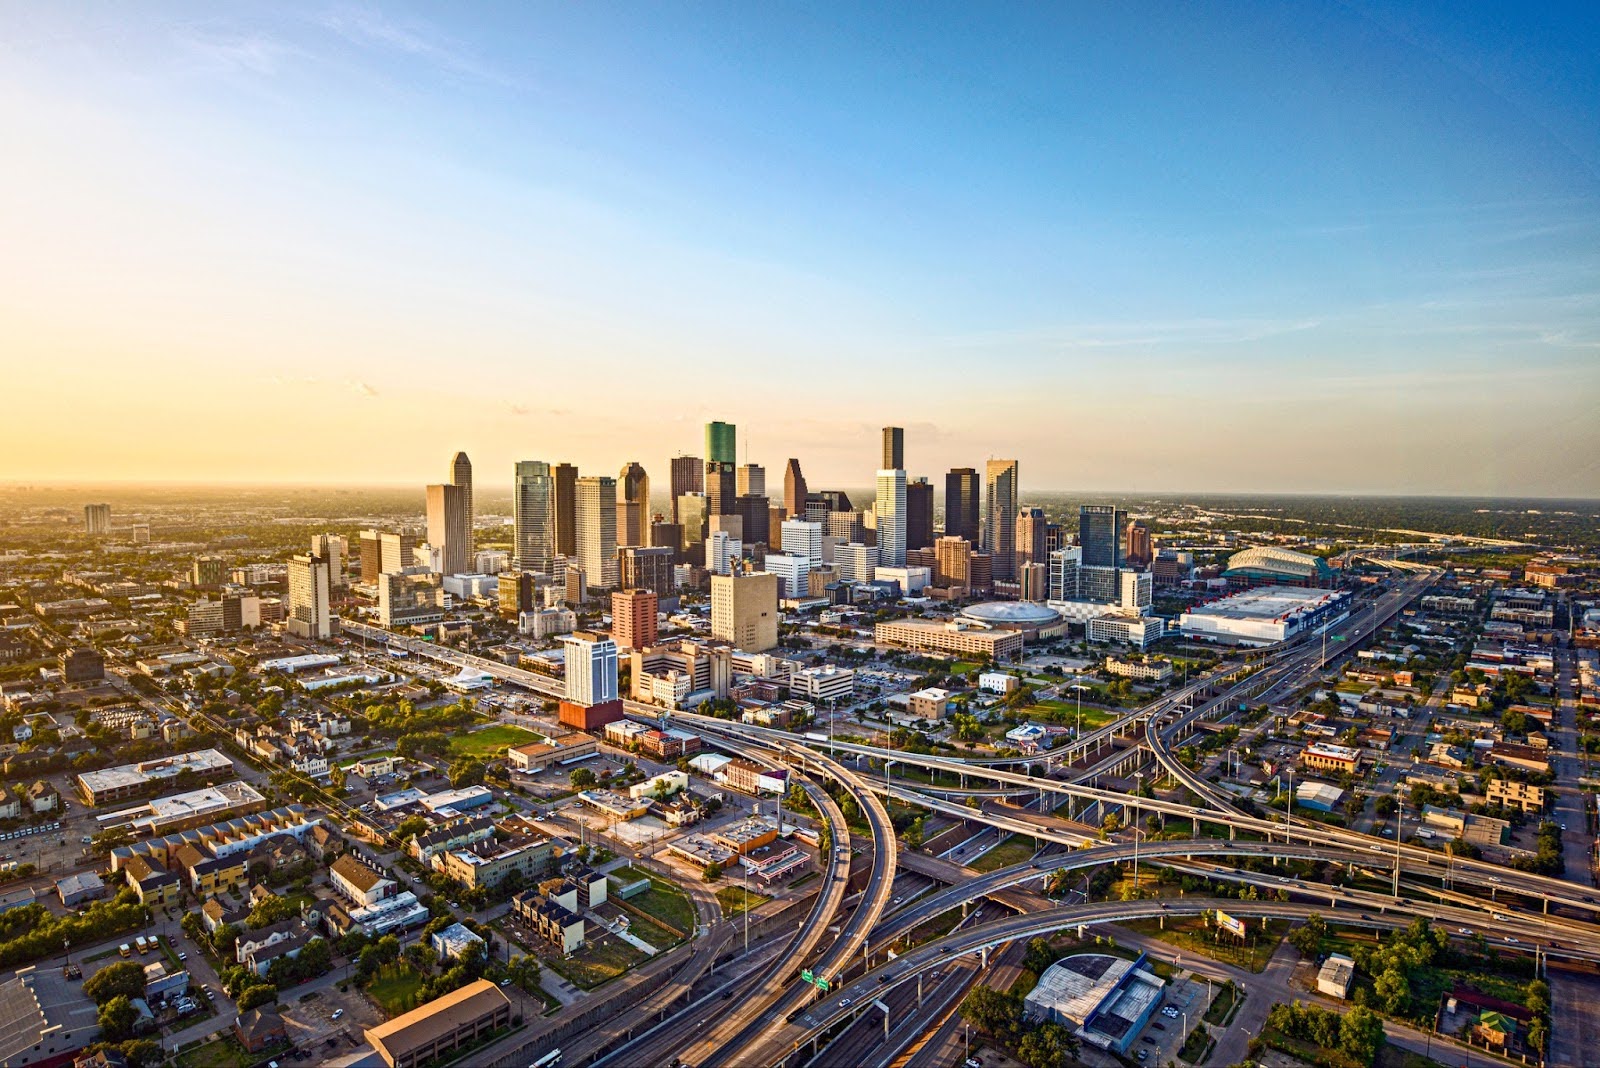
pixel 1268 603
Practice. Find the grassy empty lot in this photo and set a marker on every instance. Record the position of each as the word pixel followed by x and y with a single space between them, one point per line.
pixel 1191 934
pixel 395 988
pixel 597 962
pixel 491 741
pixel 664 901
pixel 1014 850
pixel 734 900
pixel 1066 713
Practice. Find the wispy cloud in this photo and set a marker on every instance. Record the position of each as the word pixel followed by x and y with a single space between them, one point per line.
pixel 225 52
pixel 522 410
pixel 365 389
pixel 369 28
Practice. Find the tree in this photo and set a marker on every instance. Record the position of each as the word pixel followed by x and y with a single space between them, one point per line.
pixel 336 779
pixel 467 771
pixel 1361 1034
pixel 582 779
pixel 1307 938
pixel 1392 990
pixel 117 1018
pixel 994 1012
pixel 713 872
pixel 1047 1046
pixel 142 1052
pixel 259 994
pixel 271 909
pixel 125 978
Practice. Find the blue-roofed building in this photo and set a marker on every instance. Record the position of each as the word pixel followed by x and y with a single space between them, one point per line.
pixel 1269 565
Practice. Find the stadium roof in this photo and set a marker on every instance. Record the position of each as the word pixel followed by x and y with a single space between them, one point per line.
pixel 1011 613
pixel 1271 561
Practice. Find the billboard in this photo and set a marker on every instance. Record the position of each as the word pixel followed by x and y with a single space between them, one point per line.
pixel 1228 923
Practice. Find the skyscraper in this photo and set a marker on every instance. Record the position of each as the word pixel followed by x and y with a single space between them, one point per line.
pixel 919 514
pixel 533 537
pixel 633 505
pixel 383 552
pixel 891 515
pixel 688 476
pixel 335 548
pixel 97 519
pixel 308 614
pixel 1031 545
pixel 752 480
pixel 894 448
pixel 1140 552
pixel 757 517
pixel 648 569
pixel 999 517
pixel 803 538
pixel 596 530
pixel 1100 532
pixel 566 509
pixel 794 490
pixel 591 663
pixel 461 478
pixel 447 528
pixel 961 504
pixel 722 443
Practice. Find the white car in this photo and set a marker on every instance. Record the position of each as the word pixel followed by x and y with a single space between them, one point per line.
pixel 336 1014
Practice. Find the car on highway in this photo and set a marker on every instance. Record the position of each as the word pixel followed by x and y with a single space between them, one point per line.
pixel 844 1003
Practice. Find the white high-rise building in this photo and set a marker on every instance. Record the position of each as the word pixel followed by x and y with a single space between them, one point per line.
pixel 336 549
pixel 1138 591
pixel 591 668
pixel 308 613
pixel 97 518
pixel 891 517
pixel 722 550
pixel 1064 564
pixel 802 538
pixel 792 569
pixel 856 562
pixel 449 529
pixel 533 545
pixel 596 516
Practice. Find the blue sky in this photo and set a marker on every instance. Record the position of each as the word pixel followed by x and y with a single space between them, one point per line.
pixel 1237 247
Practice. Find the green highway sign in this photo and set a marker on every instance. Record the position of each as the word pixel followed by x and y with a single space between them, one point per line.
pixel 806 976
pixel 817 981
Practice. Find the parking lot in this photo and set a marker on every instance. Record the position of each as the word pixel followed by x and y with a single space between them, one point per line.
pixel 1163 1036
pixel 311 1024
pixel 27 844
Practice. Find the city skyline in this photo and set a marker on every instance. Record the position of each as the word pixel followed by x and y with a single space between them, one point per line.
pixel 316 211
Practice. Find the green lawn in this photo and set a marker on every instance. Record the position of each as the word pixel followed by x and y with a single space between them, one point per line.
pixel 491 741
pixel 395 988
pixel 663 901
pixel 734 900
pixel 1190 934
pixel 1014 850
pixel 1066 714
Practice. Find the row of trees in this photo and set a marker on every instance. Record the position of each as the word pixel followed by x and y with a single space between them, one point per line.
pixel 1358 1034
pixel 31 932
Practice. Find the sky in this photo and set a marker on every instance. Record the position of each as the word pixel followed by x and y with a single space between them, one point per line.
pixel 1203 247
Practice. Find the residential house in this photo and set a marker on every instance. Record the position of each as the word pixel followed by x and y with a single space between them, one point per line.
pixel 260 1029
pixel 360 884
pixel 42 797
pixel 153 883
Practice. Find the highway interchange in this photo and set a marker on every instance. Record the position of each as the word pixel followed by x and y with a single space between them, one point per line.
pixel 768 1016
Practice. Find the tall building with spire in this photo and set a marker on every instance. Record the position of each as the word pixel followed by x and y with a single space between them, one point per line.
pixel 633 505
pixel 961 494
pixel 999 517
pixel 794 490
pixel 461 478
pixel 533 543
